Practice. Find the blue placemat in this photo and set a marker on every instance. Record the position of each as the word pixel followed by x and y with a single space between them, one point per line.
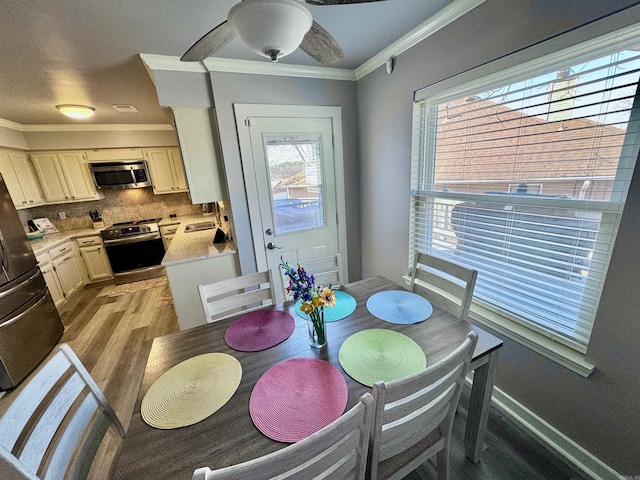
pixel 399 306
pixel 345 306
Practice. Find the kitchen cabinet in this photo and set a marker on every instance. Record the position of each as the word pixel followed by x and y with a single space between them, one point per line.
pixel 64 176
pixel 20 178
pixel 165 167
pixel 114 155
pixel 168 232
pixel 95 258
pixel 199 141
pixel 67 268
pixel 51 279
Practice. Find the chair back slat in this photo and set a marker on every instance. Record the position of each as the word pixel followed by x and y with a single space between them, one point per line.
pixel 19 414
pixel 445 284
pixel 56 423
pixel 42 434
pixel 236 295
pixel 338 451
pixel 326 270
pixel 417 409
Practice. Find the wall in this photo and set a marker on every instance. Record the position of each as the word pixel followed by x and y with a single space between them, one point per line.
pixel 12 138
pixel 187 89
pixel 599 413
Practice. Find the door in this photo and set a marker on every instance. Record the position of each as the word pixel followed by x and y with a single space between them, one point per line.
pixel 293 160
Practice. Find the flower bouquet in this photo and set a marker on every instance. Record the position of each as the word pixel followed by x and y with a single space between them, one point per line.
pixel 314 299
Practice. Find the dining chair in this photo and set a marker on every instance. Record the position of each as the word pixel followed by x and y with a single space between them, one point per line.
pixel 444 283
pixel 56 423
pixel 413 416
pixel 240 294
pixel 338 451
pixel 327 271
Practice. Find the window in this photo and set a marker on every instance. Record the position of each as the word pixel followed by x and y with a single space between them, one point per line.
pixel 484 150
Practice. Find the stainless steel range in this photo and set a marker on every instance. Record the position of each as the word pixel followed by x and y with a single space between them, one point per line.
pixel 135 249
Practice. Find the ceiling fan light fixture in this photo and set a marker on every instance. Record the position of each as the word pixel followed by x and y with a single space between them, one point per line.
pixel 271 28
pixel 76 111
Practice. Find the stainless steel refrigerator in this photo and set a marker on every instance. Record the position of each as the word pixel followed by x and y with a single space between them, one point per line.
pixel 29 323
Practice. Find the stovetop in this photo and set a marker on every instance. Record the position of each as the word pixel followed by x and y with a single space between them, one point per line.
pixel 136 227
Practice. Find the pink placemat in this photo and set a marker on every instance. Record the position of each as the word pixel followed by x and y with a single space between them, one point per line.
pixel 259 330
pixel 296 398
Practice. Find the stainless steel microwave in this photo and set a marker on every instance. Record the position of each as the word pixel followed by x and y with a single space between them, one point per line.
pixel 121 175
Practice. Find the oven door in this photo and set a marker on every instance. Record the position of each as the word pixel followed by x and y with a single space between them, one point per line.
pixel 134 253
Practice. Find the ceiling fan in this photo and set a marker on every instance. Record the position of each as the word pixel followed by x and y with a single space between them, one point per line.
pixel 273 29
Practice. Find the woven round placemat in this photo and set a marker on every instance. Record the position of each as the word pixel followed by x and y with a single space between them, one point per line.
pixel 378 354
pixel 259 330
pixel 191 391
pixel 296 398
pixel 345 306
pixel 399 306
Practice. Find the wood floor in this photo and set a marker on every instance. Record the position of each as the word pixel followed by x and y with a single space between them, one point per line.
pixel 111 329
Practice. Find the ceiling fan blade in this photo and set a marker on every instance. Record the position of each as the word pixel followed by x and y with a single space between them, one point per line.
pixel 339 2
pixel 210 43
pixel 321 46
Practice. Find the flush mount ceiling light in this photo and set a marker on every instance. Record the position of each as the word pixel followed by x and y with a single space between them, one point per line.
pixel 273 29
pixel 76 111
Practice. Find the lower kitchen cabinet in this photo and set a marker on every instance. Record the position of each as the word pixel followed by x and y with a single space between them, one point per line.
pixel 69 274
pixel 168 232
pixel 53 284
pixel 95 258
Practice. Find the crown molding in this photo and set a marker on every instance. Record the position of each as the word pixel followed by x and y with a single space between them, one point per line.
pixel 130 127
pixel 228 65
pixel 441 19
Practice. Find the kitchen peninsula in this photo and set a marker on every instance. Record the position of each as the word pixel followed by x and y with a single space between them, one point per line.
pixel 193 259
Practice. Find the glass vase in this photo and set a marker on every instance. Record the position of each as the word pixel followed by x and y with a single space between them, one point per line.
pixel 317 328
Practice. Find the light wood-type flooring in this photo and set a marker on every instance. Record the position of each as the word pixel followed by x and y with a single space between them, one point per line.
pixel 111 329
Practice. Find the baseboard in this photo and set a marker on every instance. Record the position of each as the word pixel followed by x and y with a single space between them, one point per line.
pixel 552 438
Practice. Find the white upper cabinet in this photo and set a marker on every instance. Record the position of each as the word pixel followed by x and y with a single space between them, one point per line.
pixel 200 147
pixel 64 176
pixel 20 179
pixel 165 167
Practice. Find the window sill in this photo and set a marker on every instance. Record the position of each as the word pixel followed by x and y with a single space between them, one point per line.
pixel 539 343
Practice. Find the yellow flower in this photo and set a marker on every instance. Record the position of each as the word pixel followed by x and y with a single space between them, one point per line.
pixel 317 301
pixel 328 297
pixel 306 307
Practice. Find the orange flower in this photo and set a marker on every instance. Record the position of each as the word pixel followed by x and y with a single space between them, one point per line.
pixel 328 297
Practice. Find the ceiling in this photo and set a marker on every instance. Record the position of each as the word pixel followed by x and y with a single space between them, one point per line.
pixel 86 51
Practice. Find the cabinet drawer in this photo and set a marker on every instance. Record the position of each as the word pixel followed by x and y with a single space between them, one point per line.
pixel 43 259
pixel 60 250
pixel 169 229
pixel 89 241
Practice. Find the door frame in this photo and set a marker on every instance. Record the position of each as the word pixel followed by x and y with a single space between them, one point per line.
pixel 245 111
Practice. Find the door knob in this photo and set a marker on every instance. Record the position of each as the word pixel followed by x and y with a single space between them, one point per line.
pixel 268 231
pixel 272 246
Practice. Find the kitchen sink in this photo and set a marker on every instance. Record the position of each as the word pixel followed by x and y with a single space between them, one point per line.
pixel 196 227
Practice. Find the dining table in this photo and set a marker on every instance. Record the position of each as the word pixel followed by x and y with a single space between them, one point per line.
pixel 229 436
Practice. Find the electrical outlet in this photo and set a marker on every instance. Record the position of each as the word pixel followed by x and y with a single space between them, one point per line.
pixel 62 215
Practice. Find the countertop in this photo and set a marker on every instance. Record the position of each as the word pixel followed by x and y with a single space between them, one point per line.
pixel 51 240
pixel 193 246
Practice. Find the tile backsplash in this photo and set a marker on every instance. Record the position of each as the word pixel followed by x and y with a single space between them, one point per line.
pixel 117 206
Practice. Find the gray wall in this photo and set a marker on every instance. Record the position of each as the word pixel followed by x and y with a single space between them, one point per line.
pixel 599 413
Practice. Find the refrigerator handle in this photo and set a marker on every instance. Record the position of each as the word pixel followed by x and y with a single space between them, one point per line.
pixel 15 319
pixel 16 287
pixel 4 270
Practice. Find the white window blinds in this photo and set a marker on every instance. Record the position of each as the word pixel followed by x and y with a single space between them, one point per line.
pixel 525 181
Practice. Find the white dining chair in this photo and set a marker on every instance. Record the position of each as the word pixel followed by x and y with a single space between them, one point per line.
pixel 413 416
pixel 235 295
pixel 56 423
pixel 338 451
pixel 326 270
pixel 444 283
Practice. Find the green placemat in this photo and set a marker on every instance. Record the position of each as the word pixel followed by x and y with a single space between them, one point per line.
pixel 378 354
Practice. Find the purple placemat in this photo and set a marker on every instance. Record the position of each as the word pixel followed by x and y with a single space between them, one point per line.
pixel 399 306
pixel 296 398
pixel 259 330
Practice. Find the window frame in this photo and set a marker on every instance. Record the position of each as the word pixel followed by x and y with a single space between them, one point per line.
pixel 517 69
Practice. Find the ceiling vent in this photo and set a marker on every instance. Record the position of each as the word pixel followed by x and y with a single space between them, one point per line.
pixel 125 108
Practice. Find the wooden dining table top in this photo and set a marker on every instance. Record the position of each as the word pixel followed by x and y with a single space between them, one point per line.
pixel 229 436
